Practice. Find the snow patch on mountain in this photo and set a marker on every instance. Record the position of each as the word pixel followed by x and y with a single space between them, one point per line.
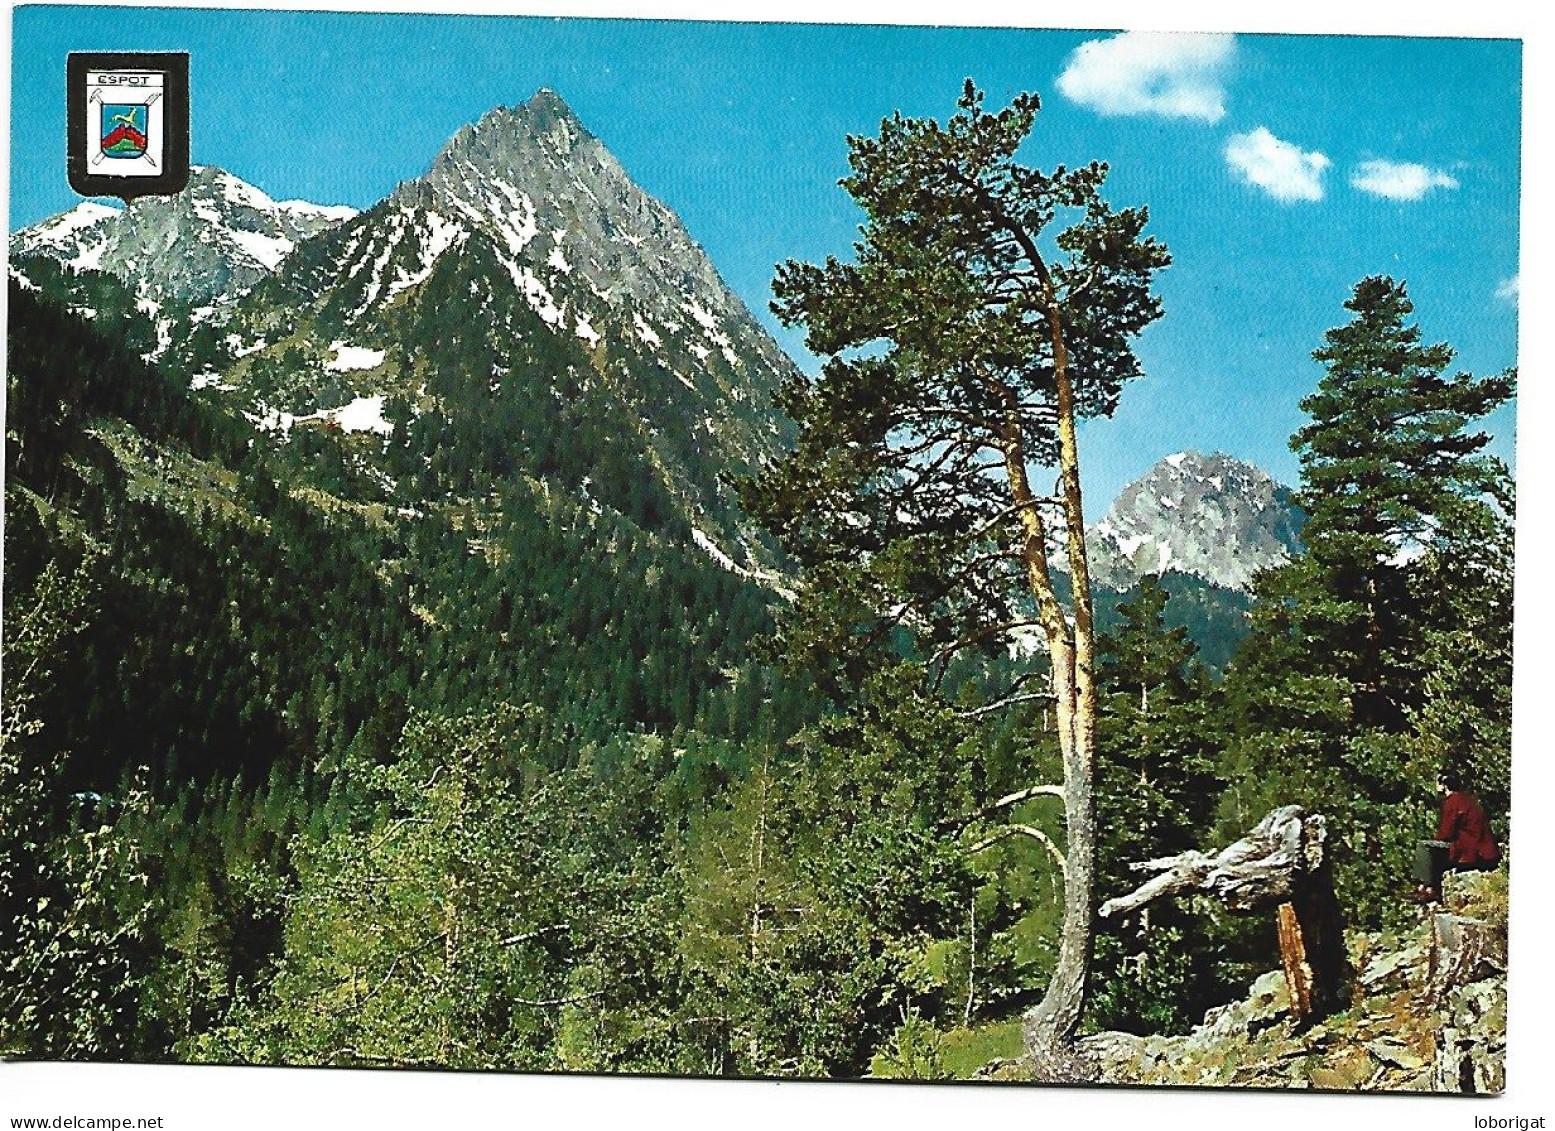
pixel 711 549
pixel 267 249
pixel 330 213
pixel 87 214
pixel 363 414
pixel 346 358
pixel 77 238
pixel 705 543
pixel 645 331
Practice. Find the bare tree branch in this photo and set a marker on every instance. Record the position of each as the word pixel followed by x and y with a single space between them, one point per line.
pixel 514 940
pixel 546 1003
pixel 1004 832
pixel 1008 701
pixel 1003 803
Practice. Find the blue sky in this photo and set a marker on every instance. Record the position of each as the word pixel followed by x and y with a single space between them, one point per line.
pixel 1279 170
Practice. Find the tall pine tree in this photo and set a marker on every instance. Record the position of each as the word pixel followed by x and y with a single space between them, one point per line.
pixel 989 306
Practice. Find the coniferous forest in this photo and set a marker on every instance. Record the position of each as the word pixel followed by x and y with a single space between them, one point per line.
pixel 626 699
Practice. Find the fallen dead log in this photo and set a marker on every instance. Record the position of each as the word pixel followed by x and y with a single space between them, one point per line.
pixel 1281 863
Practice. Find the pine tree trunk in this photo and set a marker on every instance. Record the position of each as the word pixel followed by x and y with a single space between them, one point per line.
pixel 1051 1024
pixel 1053 1020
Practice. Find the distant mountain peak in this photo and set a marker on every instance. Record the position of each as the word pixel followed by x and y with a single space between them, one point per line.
pixel 76 237
pixel 1210 516
pixel 564 215
pixel 206 244
pixel 547 100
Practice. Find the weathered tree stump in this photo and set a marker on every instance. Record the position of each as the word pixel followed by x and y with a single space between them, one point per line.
pixel 1463 950
pixel 1282 863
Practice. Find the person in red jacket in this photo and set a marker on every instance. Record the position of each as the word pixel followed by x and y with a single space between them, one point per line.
pixel 1463 840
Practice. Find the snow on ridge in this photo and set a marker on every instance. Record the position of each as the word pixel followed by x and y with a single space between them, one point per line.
pixel 442 234
pixel 706 544
pixel 235 190
pixel 375 281
pixel 710 548
pixel 535 292
pixel 710 329
pixel 1128 544
pixel 89 258
pixel 267 250
pixel 520 224
pixel 697 311
pixel 336 212
pixel 54 231
pixel 439 235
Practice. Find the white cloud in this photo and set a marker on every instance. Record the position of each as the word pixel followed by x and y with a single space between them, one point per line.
pixel 1174 75
pixel 1510 289
pixel 1399 180
pixel 1283 170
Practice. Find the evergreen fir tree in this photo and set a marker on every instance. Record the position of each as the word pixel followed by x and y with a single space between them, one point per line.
pixel 1337 662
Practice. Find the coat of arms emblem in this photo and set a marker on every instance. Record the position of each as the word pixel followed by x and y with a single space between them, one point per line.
pixel 129 123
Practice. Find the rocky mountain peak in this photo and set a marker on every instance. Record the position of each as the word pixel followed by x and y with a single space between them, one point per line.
pixel 1210 516
pixel 559 203
pixel 207 244
pixel 515 139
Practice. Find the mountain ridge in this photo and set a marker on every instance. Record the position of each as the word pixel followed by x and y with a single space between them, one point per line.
pixel 206 245
pixel 527 201
pixel 571 282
